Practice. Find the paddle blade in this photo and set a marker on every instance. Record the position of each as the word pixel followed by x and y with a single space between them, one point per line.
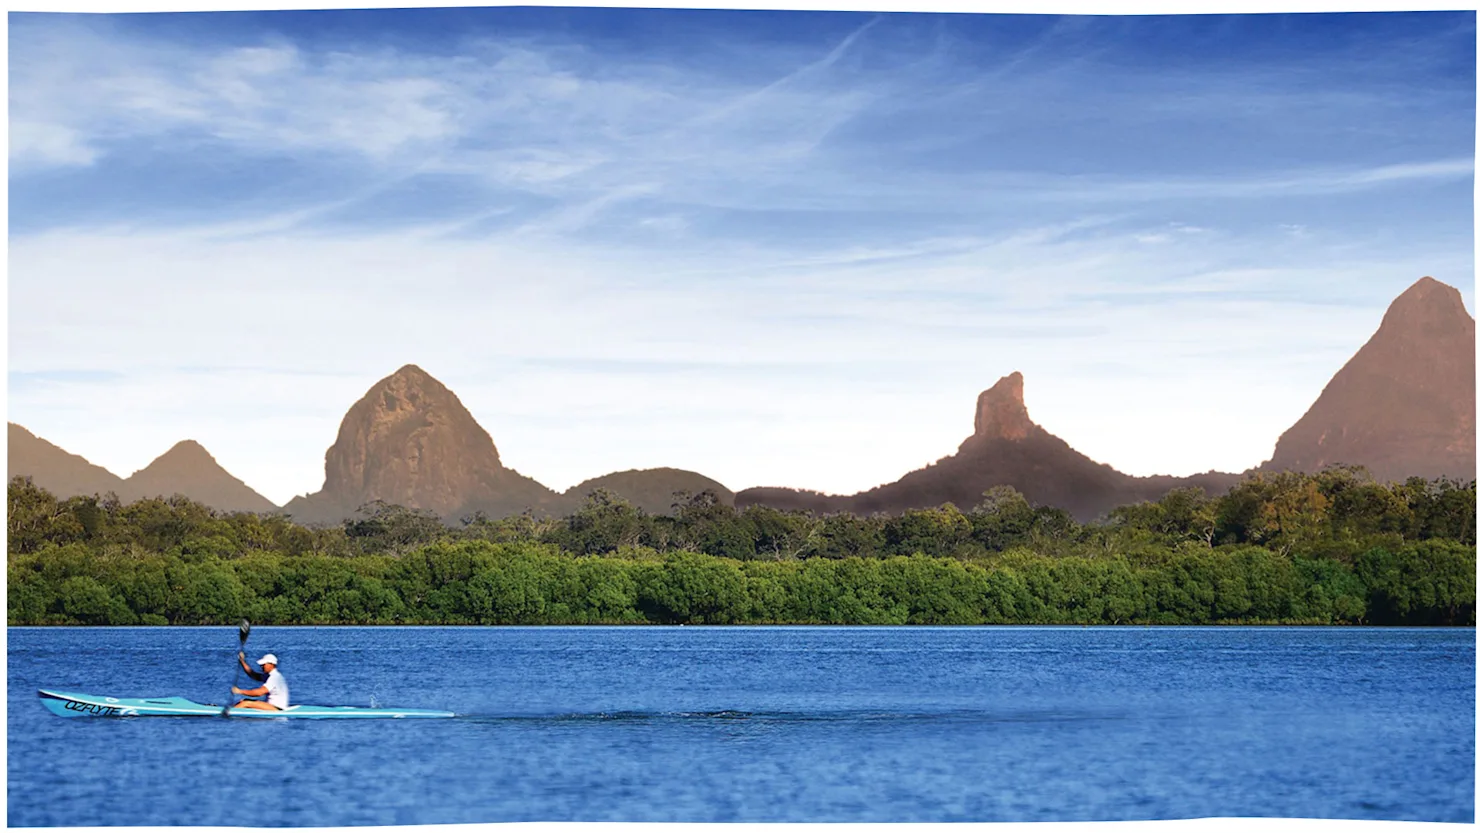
pixel 246 629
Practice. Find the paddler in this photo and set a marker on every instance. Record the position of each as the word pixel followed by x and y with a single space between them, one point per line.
pixel 273 685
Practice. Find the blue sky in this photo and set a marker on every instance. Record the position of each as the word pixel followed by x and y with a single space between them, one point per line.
pixel 778 248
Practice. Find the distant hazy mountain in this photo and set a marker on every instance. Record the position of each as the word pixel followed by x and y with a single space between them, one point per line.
pixel 57 471
pixel 190 470
pixel 1404 405
pixel 1006 449
pixel 187 469
pixel 410 441
pixel 651 490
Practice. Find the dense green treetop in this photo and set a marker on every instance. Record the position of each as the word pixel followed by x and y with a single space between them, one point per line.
pixel 1335 547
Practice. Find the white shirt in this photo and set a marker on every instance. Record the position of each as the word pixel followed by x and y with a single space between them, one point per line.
pixel 277 689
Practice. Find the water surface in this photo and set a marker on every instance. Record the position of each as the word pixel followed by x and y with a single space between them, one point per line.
pixel 756 724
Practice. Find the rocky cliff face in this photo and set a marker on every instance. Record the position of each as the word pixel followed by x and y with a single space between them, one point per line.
pixel 1000 412
pixel 190 470
pixel 410 441
pixel 1404 405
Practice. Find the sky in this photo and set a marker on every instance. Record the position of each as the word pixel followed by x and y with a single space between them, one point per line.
pixel 777 248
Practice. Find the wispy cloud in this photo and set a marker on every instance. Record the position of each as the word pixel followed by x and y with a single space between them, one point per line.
pixel 512 116
pixel 585 135
pixel 98 89
pixel 40 144
pixel 1309 182
pixel 557 351
pixel 807 239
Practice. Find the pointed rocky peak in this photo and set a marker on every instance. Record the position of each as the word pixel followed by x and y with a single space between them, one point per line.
pixel 186 458
pixel 1000 412
pixel 185 453
pixel 1427 308
pixel 188 469
pixel 1404 404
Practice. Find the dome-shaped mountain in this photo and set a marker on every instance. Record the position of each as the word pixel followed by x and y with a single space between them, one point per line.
pixel 650 490
pixel 1404 405
pixel 410 441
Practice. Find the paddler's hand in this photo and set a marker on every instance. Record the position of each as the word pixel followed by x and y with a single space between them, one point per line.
pixel 235 690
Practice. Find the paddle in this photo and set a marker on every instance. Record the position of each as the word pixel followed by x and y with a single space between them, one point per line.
pixel 243 632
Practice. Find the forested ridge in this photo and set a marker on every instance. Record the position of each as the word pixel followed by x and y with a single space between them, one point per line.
pixel 1330 548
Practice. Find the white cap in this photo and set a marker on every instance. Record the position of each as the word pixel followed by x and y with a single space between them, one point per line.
pixel 270 659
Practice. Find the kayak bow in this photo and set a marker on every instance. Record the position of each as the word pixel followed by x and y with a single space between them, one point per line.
pixel 88 705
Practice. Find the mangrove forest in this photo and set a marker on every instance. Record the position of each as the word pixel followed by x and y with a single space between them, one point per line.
pixel 1329 548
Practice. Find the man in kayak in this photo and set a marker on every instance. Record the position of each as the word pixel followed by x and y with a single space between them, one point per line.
pixel 273 685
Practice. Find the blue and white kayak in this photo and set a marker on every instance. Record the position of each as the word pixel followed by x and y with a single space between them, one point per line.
pixel 88 705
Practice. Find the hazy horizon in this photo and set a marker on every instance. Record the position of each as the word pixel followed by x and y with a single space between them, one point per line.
pixel 774 248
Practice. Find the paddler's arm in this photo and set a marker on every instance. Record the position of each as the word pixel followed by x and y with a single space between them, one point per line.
pixel 256 675
pixel 250 692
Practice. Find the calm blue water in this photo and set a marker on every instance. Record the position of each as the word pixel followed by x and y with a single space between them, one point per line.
pixel 756 724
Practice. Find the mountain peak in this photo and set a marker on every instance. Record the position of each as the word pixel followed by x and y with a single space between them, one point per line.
pixel 410 441
pixel 410 371
pixel 1044 468
pixel 1427 287
pixel 411 389
pixel 186 457
pixel 404 410
pixel 62 473
pixel 1404 405
pixel 1427 307
pixel 1000 412
pixel 187 450
pixel 187 468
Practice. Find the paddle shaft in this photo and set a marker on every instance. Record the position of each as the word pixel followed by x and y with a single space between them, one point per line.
pixel 236 676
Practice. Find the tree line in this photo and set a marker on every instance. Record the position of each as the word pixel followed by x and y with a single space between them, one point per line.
pixel 1330 548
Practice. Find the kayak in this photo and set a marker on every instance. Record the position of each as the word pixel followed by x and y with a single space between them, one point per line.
pixel 88 705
